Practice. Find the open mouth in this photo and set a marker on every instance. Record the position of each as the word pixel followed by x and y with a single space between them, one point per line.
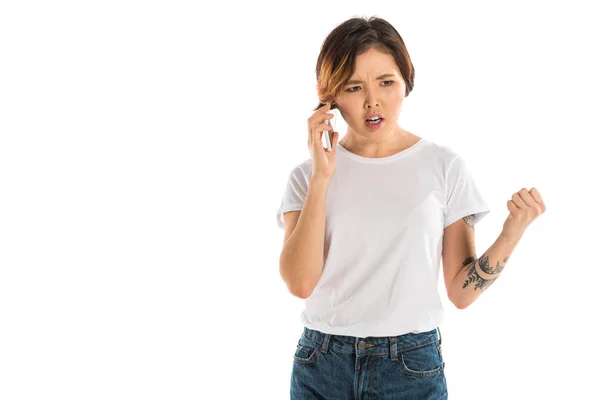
pixel 374 123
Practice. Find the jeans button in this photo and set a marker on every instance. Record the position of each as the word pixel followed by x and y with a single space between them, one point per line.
pixel 362 345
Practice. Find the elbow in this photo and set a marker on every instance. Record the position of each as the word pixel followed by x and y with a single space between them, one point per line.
pixel 299 292
pixel 302 291
pixel 303 294
pixel 295 288
pixel 458 303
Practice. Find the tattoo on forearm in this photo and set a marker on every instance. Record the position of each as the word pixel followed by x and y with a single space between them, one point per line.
pixel 489 276
pixel 468 260
pixel 469 220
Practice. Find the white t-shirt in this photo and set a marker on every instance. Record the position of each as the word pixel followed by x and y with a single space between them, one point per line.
pixel 384 225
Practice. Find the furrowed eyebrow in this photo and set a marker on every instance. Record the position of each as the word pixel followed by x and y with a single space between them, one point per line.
pixel 379 77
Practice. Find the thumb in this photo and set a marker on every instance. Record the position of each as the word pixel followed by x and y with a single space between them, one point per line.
pixel 335 139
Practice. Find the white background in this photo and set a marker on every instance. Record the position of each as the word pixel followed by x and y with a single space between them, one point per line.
pixel 145 148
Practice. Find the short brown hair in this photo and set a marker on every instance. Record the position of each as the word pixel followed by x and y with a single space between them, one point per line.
pixel 350 39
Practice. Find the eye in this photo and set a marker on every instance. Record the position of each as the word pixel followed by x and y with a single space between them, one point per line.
pixel 352 91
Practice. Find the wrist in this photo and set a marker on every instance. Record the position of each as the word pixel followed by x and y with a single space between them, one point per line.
pixel 511 236
pixel 318 181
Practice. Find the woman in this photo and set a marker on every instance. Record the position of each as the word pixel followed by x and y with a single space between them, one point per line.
pixel 367 223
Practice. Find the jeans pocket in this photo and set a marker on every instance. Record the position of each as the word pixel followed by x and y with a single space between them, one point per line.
pixel 307 350
pixel 423 361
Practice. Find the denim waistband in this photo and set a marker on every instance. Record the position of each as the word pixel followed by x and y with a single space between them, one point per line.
pixel 374 345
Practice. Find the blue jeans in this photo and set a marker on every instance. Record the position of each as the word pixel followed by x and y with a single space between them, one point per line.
pixel 338 367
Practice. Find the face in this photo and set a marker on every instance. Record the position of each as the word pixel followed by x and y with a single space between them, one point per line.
pixel 373 94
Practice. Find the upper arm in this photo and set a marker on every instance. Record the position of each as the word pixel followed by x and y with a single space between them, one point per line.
pixel 458 248
pixel 290 219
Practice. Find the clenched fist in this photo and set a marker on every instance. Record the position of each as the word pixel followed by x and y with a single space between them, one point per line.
pixel 525 207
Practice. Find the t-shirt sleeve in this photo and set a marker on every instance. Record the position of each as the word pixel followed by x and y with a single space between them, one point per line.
pixel 294 194
pixel 463 196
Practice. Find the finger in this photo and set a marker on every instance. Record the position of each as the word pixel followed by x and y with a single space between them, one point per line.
pixel 322 110
pixel 315 127
pixel 325 125
pixel 538 198
pixel 314 124
pixel 319 119
pixel 334 139
pixel 527 199
pixel 318 132
pixel 518 200
pixel 511 206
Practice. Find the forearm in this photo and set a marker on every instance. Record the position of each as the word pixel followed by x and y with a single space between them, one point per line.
pixel 477 275
pixel 301 261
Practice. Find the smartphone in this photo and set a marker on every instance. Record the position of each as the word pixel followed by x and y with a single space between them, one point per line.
pixel 327 133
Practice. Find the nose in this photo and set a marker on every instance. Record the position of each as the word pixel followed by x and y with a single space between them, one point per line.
pixel 370 101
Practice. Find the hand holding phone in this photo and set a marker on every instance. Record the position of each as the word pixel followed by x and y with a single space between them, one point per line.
pixel 330 122
pixel 323 157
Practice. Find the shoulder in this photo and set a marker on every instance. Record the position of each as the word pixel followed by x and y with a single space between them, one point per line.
pixel 441 154
pixel 305 167
pixel 302 172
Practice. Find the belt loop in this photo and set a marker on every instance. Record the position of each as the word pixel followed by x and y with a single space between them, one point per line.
pixel 393 348
pixel 440 335
pixel 325 345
